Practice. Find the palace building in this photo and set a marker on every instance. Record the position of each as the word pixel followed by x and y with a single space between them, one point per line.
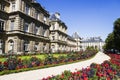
pixel 72 44
pixel 95 42
pixel 24 27
pixel 58 34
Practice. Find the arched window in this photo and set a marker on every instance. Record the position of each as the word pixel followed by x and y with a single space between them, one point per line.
pixel 11 45
pixel 36 47
pixel 26 45
pixel 44 47
pixel 53 48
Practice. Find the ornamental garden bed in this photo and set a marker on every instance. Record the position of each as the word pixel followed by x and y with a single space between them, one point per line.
pixel 15 64
pixel 108 70
pixel 28 56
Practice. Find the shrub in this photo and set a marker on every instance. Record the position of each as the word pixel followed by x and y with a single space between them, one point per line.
pixel 11 63
pixel 1 66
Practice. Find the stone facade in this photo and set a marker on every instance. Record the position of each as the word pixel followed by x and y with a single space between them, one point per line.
pixel 77 38
pixel 72 44
pixel 58 34
pixel 24 27
pixel 95 42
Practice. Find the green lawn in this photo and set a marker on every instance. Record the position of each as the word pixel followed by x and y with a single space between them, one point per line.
pixel 41 56
pixel 2 59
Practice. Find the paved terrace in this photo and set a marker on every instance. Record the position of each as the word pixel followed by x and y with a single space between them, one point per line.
pixel 40 73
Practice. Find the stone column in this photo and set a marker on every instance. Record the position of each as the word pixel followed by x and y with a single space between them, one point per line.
pixel 41 47
pixel 6 46
pixel 47 47
pixel 18 5
pixel 31 46
pixel 57 46
pixel 40 30
pixel 15 45
pixel 39 50
pixel 21 45
pixel 31 29
pixel 47 33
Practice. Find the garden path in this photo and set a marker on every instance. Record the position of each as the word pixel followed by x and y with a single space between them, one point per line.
pixel 40 73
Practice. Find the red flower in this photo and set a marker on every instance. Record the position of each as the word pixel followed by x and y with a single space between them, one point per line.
pixel 78 72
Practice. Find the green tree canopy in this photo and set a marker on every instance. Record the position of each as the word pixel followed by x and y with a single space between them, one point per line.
pixel 110 41
pixel 113 39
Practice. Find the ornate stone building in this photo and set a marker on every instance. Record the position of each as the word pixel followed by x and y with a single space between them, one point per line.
pixel 78 41
pixel 24 27
pixel 95 42
pixel 58 34
pixel 72 44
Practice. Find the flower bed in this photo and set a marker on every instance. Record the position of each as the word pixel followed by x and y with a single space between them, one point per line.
pixel 104 71
pixel 14 64
pixel 115 59
pixel 108 70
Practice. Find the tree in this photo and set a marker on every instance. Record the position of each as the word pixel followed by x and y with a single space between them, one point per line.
pixel 116 33
pixel 113 39
pixel 109 42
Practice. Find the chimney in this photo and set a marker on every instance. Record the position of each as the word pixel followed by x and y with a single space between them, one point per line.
pixel 57 15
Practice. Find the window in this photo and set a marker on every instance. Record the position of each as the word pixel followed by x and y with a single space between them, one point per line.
pixel 53 37
pixel 2 6
pixel 53 48
pixel 10 46
pixel 36 29
pixel 44 47
pixel 26 27
pixel 27 9
pixel 37 15
pixel 26 46
pixel 12 25
pixel 13 6
pixel 45 19
pixel 36 47
pixel 1 25
pixel 53 27
pixel 43 32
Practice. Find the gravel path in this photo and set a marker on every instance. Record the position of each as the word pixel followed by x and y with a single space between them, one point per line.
pixel 40 73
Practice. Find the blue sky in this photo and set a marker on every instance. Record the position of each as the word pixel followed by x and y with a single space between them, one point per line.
pixel 87 17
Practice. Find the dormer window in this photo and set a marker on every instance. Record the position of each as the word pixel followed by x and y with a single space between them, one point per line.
pixel 27 9
pixel 45 19
pixel 13 6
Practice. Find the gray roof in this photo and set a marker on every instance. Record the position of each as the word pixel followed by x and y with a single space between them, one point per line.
pixel 54 18
pixel 92 39
pixel 71 38
pixel 76 36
